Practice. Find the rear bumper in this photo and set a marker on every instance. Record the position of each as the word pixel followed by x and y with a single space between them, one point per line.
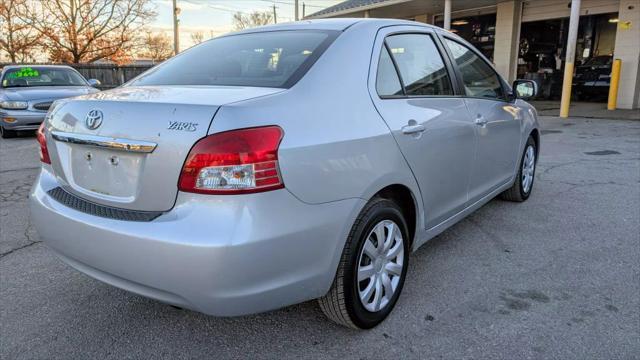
pixel 21 119
pixel 221 255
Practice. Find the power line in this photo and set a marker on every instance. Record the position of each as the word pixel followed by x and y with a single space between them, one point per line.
pixel 277 2
pixel 227 10
pixel 231 10
pixel 290 3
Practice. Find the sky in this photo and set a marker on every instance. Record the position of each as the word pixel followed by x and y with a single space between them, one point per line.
pixel 214 17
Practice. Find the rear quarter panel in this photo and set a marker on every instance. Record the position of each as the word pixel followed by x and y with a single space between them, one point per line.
pixel 336 146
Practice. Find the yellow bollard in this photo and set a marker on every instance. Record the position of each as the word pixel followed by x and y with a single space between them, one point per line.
pixel 566 90
pixel 613 85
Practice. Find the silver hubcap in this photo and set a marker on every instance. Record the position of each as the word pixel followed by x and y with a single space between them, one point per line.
pixel 528 168
pixel 380 265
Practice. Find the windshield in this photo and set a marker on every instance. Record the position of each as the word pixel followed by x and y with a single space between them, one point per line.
pixel 264 59
pixel 30 76
pixel 599 60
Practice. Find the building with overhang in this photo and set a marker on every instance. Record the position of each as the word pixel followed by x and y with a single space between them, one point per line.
pixel 528 38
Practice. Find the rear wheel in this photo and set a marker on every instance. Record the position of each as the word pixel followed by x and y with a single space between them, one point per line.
pixel 372 268
pixel 7 133
pixel 523 183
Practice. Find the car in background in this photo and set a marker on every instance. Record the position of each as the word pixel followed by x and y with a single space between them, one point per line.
pixel 592 79
pixel 27 92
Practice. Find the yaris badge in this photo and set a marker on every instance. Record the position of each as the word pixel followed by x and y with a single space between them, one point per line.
pixel 93 119
pixel 182 126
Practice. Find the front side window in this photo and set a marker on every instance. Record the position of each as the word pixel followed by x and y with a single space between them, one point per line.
pixel 263 59
pixel 420 64
pixel 480 80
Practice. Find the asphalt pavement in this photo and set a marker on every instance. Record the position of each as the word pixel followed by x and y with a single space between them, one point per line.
pixel 556 277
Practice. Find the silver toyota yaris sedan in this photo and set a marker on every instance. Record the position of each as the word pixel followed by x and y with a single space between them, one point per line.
pixel 282 164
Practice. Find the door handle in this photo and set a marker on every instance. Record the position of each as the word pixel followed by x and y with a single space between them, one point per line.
pixel 412 129
pixel 480 121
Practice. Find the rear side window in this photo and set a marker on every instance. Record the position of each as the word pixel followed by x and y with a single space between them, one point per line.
pixel 264 59
pixel 480 80
pixel 387 81
pixel 421 66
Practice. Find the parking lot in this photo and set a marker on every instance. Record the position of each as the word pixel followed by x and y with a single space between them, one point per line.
pixel 555 277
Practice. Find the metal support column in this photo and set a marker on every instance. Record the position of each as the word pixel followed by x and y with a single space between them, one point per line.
pixel 574 19
pixel 447 14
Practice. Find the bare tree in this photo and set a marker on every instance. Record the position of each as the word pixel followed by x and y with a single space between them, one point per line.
pixel 157 47
pixel 17 38
pixel 197 37
pixel 90 30
pixel 256 18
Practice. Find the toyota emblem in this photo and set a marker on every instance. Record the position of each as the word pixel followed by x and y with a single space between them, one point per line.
pixel 93 119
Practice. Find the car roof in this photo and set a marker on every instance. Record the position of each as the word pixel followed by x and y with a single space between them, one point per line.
pixel 339 24
pixel 8 67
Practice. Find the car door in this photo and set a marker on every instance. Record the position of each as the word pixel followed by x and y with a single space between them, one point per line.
pixel 412 87
pixel 497 121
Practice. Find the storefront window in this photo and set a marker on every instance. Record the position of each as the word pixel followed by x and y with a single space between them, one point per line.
pixel 480 31
pixel 542 51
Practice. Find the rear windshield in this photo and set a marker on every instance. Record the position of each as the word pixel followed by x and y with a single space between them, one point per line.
pixel 264 59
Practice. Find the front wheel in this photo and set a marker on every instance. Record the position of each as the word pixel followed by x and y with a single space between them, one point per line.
pixel 372 268
pixel 6 134
pixel 523 184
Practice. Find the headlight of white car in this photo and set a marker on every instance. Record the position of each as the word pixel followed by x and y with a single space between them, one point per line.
pixel 14 105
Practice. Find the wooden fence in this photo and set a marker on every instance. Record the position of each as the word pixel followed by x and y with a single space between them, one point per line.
pixel 109 75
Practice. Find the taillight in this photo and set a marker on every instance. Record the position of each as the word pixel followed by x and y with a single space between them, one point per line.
pixel 234 162
pixel 42 140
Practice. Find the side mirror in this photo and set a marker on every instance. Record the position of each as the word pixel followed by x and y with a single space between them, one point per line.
pixel 94 82
pixel 525 89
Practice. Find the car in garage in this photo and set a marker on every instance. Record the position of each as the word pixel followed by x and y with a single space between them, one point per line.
pixel 593 78
pixel 282 164
pixel 27 92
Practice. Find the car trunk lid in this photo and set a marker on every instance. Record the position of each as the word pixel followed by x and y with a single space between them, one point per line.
pixel 125 148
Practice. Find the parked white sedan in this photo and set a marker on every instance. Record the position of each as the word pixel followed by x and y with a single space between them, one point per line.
pixel 283 164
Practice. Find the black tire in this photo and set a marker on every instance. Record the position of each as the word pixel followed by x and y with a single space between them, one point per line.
pixel 578 96
pixel 6 134
pixel 517 193
pixel 342 303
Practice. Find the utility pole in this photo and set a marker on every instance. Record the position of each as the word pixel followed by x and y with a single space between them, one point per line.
pixel 176 33
pixel 295 4
pixel 275 16
pixel 303 10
